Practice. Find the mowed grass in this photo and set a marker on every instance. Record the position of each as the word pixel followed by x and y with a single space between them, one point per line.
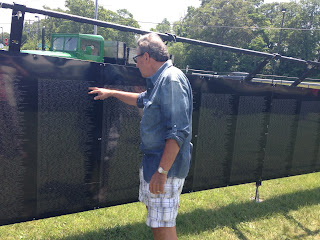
pixel 290 210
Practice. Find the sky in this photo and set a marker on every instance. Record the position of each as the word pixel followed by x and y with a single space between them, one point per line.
pixel 147 12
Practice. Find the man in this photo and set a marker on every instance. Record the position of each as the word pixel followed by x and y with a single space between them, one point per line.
pixel 165 133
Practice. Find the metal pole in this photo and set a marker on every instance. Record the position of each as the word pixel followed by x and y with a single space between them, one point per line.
pixel 30 34
pixel 43 39
pixel 279 42
pixel 16 27
pixel 96 17
pixel 38 31
pixel 2 35
pixel 39 28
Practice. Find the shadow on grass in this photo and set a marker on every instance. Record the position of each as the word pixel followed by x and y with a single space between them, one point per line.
pixel 307 232
pixel 201 220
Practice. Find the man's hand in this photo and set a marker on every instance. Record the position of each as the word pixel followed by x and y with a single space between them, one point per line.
pixel 103 93
pixel 157 182
pixel 126 97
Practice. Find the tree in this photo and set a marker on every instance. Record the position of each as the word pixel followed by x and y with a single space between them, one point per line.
pixel 249 25
pixel 301 40
pixel 163 27
pixel 223 22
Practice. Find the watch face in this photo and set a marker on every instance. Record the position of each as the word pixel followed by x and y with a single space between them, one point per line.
pixel 160 170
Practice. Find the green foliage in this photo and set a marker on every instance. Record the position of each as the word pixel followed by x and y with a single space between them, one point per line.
pixel 250 25
pixel 177 50
pixel 222 22
pixel 163 27
pixel 32 43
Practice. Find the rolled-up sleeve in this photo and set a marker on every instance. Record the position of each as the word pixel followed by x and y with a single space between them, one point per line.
pixel 140 99
pixel 175 108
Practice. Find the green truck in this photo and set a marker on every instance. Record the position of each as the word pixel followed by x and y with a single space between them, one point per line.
pixel 87 47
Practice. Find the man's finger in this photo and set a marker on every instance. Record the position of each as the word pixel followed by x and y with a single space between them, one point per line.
pixel 94 92
pixel 98 98
pixel 93 88
pixel 156 189
pixel 153 189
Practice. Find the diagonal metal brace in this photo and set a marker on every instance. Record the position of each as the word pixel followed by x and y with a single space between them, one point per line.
pixel 310 69
pixel 261 66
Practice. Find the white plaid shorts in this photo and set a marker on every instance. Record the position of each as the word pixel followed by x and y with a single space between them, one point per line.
pixel 162 208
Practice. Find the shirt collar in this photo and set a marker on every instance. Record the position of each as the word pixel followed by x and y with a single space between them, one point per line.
pixel 156 75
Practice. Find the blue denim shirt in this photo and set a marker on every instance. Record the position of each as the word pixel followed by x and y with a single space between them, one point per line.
pixel 167 114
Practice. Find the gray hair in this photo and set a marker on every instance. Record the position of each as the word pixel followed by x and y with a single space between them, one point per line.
pixel 154 46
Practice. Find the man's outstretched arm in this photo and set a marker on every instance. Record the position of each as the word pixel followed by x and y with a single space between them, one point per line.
pixel 103 93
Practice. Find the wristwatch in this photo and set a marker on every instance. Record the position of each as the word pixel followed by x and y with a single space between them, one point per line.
pixel 162 171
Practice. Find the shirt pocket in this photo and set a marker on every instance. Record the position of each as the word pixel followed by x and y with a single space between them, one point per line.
pixel 151 113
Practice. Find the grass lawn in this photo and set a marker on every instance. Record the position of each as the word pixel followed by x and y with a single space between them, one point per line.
pixel 290 210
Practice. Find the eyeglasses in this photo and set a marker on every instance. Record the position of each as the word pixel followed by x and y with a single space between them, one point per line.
pixel 136 57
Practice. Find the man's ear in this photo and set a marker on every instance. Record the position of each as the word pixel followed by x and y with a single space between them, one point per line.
pixel 147 57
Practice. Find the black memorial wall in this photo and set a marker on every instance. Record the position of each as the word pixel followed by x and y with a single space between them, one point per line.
pixel 62 152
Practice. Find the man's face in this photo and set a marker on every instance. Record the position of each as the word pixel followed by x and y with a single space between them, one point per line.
pixel 142 63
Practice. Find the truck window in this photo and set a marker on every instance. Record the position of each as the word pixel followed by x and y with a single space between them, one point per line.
pixel 57 43
pixel 70 44
pixel 93 44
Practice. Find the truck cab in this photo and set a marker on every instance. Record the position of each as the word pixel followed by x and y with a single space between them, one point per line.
pixel 87 47
pixel 79 46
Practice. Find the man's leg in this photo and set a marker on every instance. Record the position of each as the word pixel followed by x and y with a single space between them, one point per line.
pixel 164 233
pixel 162 209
